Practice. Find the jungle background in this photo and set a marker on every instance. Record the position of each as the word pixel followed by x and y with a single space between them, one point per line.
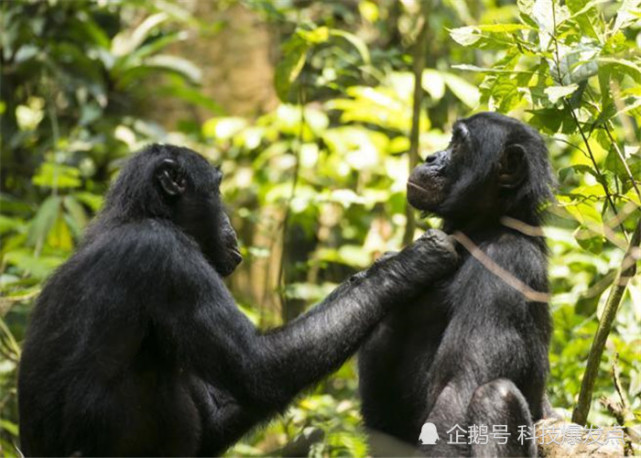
pixel 316 112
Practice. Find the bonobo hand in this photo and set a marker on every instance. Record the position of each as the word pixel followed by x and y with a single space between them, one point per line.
pixel 428 259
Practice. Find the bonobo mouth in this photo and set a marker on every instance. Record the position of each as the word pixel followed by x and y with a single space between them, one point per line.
pixel 422 197
pixel 236 256
pixel 232 260
pixel 414 185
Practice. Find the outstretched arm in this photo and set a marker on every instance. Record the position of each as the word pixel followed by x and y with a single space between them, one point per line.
pixel 270 369
pixel 319 341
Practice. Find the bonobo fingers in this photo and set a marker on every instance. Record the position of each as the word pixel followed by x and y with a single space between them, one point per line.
pixel 439 241
pixel 428 259
pixel 437 252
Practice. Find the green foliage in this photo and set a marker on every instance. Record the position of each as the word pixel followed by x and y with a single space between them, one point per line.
pixel 573 69
pixel 72 77
pixel 321 177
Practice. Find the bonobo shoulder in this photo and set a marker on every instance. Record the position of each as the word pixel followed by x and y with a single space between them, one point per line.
pixel 150 236
pixel 521 257
pixel 517 252
pixel 148 248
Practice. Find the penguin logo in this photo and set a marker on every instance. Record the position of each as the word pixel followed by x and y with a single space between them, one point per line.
pixel 428 436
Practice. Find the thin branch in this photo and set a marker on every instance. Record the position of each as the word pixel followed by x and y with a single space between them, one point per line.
pixel 420 49
pixel 624 274
pixel 601 179
pixel 623 161
pixel 292 195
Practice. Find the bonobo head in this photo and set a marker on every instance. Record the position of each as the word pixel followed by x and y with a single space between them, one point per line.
pixel 494 166
pixel 177 184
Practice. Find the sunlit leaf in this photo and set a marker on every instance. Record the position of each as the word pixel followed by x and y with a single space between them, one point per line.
pixel 464 91
pixel 60 176
pixel 432 81
pixel 288 69
pixel 125 43
pixel 37 266
pixel 494 36
pixel 59 236
pixel 558 92
pixel 624 66
pixel 355 41
pixel 44 220
pixel 176 64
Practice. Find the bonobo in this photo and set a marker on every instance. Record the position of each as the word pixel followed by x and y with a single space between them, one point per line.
pixel 472 351
pixel 136 347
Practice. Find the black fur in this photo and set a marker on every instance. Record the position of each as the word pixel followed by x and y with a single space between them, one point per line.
pixel 472 350
pixel 136 347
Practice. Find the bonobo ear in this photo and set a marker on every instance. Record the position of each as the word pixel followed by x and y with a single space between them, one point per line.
pixel 170 177
pixel 512 167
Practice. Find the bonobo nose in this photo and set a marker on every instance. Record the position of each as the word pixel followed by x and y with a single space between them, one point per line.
pixel 436 161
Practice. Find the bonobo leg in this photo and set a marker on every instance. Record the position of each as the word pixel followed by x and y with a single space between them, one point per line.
pixel 496 404
pixel 491 409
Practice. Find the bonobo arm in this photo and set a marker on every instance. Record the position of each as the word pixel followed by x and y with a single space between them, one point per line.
pixel 268 370
pixel 314 344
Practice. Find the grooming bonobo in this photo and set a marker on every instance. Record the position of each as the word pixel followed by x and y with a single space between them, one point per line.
pixel 136 347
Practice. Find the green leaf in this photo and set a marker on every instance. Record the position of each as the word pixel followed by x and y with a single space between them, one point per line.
pixel 315 36
pixel 494 36
pixel 190 95
pixel 547 14
pixel 355 41
pixel 77 214
pixel 622 66
pixel 223 128
pixel 59 236
pixel 549 119
pixel 505 94
pixel 8 224
pixel 93 201
pixel 589 241
pixel 576 63
pixel 558 92
pixel 464 91
pixel 125 43
pixel 433 83
pixel 37 266
pixel 58 176
pixel 290 66
pixel 584 212
pixel 44 220
pixel 155 46
pixel 177 65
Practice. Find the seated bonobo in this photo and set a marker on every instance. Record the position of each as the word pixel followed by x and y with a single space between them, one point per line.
pixel 472 350
pixel 136 347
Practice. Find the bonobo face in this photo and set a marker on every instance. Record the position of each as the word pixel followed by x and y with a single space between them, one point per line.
pixel 492 166
pixel 429 182
pixel 191 187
